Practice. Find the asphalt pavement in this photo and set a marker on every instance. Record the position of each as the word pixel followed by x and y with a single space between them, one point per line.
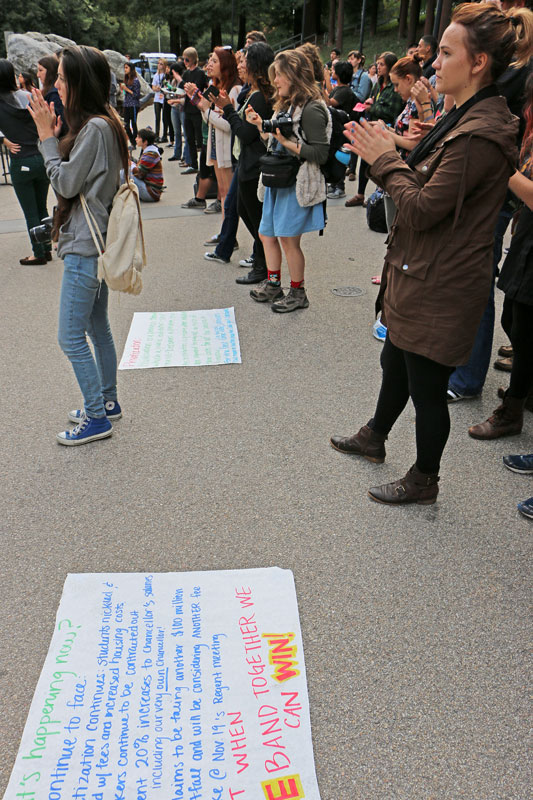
pixel 415 620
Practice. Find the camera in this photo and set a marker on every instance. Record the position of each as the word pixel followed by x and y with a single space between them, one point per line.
pixel 211 90
pixel 42 234
pixel 283 123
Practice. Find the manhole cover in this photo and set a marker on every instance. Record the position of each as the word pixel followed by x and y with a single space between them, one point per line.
pixel 348 291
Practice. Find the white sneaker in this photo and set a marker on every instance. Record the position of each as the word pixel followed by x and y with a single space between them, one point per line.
pixel 247 262
pixel 212 256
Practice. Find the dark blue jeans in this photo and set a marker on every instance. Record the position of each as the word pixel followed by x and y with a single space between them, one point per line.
pixel 228 233
pixel 470 378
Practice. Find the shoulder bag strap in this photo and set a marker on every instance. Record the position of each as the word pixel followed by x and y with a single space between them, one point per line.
pixel 93 226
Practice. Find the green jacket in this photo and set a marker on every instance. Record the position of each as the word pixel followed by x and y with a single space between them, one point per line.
pixel 387 104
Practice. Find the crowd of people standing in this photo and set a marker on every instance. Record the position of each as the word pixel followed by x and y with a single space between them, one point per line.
pixel 446 131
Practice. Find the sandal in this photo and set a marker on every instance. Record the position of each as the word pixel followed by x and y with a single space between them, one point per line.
pixel 376 279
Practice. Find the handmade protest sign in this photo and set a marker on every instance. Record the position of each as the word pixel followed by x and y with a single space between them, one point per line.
pixel 168 686
pixel 182 339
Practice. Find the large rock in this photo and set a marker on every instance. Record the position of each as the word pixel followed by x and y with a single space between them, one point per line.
pixel 25 49
pixel 116 62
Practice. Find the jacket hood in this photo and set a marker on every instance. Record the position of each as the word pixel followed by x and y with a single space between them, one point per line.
pixel 492 120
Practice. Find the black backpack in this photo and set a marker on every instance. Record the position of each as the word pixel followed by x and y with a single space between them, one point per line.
pixel 333 170
pixel 375 212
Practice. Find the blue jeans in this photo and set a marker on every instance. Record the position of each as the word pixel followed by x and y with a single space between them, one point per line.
pixel 228 233
pixel 176 124
pixel 82 311
pixel 469 379
pixel 144 194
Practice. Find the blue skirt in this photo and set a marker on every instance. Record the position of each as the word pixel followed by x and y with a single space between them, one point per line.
pixel 282 216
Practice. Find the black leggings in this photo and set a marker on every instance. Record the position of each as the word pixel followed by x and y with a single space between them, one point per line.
pixel 130 123
pixel 250 211
pixel 193 134
pixel 426 382
pixel 517 322
pixel 363 177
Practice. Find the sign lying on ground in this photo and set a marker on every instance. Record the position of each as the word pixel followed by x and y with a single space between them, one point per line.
pixel 182 339
pixel 171 686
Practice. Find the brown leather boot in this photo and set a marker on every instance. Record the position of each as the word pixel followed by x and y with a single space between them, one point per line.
pixel 366 443
pixel 506 420
pixel 528 405
pixel 415 487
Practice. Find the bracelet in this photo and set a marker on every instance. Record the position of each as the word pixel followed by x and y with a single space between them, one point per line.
pixel 425 104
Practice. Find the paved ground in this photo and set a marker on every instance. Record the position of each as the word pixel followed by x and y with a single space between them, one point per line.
pixel 415 620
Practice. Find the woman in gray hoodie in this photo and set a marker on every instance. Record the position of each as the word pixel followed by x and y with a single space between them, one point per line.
pixel 87 160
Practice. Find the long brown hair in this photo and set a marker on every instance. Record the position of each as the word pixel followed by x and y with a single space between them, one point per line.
pixel 296 66
pixel 229 76
pixel 88 79
pixel 51 65
pixel 131 74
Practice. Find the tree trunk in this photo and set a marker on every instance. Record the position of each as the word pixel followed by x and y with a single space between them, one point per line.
pixel 404 8
pixel 313 12
pixel 175 38
pixel 340 24
pixel 241 37
pixel 414 18
pixel 216 35
pixel 445 18
pixel 374 8
pixel 430 17
pixel 331 23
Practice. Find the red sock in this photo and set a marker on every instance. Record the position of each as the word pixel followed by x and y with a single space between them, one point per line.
pixel 297 284
pixel 274 276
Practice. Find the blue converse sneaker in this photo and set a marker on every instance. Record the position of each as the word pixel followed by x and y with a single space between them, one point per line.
pixel 112 411
pixel 88 430
pixel 526 508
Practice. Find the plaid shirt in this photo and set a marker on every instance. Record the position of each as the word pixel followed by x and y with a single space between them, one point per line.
pixel 387 104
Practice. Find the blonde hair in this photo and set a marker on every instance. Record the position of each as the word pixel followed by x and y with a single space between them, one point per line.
pixel 191 53
pixel 297 67
pixel 522 19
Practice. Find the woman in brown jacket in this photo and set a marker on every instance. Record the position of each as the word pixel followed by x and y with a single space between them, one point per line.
pixel 438 267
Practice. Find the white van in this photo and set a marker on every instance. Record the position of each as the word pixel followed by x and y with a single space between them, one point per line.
pixel 148 64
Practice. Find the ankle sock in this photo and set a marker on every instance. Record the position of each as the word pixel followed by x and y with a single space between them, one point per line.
pixel 297 284
pixel 274 277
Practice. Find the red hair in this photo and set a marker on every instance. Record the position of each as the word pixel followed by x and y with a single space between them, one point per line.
pixel 229 76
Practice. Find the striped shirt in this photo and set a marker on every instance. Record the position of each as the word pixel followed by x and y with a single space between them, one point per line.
pixel 149 169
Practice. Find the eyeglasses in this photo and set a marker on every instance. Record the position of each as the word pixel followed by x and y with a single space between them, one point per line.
pixel 186 60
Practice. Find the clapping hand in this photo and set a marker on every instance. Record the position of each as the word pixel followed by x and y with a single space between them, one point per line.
pixel 368 141
pixel 222 99
pixel 44 116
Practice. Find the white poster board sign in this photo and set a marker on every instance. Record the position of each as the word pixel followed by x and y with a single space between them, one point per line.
pixel 182 339
pixel 169 686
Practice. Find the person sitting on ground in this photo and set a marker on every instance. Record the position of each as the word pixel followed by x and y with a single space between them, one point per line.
pixel 148 171
pixel 427 51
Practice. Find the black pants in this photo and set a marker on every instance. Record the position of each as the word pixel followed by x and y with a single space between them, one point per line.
pixel 168 130
pixel 517 322
pixel 363 177
pixel 130 123
pixel 193 132
pixel 425 382
pixel 250 211
pixel 157 111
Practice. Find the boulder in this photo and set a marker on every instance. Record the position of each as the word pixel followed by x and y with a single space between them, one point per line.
pixel 25 49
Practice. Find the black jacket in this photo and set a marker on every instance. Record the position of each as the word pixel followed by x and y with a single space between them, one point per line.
pixel 252 146
pixel 516 277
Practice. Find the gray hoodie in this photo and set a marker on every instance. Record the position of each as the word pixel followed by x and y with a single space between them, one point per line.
pixel 93 168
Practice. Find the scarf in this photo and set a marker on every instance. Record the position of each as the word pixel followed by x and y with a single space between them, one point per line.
pixel 445 125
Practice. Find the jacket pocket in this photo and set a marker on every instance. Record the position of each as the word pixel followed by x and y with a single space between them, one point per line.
pixel 412 267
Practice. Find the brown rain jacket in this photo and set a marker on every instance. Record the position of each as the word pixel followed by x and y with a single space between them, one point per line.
pixel 438 267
